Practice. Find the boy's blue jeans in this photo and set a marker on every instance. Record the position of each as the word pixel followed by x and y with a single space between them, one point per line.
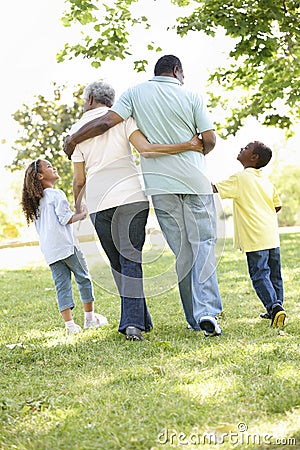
pixel 121 231
pixel 61 273
pixel 265 273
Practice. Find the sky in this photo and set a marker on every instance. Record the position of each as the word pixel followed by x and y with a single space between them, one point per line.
pixel 31 34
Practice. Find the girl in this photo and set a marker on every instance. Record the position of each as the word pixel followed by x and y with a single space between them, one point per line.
pixel 48 208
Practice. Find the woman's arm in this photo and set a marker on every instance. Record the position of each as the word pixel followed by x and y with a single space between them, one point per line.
pixel 79 178
pixel 209 141
pixel 148 150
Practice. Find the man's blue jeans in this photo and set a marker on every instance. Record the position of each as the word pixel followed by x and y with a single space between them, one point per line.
pixel 265 272
pixel 188 223
pixel 121 231
pixel 61 274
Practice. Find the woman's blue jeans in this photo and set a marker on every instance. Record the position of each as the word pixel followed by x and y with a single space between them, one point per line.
pixel 188 222
pixel 61 274
pixel 121 231
pixel 265 272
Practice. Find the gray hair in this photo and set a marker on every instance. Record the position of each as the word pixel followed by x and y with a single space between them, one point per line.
pixel 102 93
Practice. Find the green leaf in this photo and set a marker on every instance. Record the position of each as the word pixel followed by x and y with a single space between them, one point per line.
pixel 96 64
pixel 263 59
pixel 65 21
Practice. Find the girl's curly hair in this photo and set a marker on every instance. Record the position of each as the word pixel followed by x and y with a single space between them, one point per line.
pixel 32 192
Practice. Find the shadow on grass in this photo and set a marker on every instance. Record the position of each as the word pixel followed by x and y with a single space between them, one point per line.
pixel 98 391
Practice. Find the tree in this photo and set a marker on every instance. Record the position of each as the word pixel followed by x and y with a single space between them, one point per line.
pixel 265 58
pixel 111 25
pixel 287 184
pixel 264 70
pixel 43 127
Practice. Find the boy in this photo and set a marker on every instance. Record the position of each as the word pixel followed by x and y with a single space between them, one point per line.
pixel 255 204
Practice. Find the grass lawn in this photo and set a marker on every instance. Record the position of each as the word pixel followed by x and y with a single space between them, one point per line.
pixel 175 389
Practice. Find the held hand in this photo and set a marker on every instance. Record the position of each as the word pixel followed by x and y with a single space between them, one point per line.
pixel 83 215
pixel 81 208
pixel 197 144
pixel 69 147
pixel 84 209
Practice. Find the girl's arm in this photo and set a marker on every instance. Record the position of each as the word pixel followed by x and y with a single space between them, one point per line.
pixel 148 150
pixel 78 216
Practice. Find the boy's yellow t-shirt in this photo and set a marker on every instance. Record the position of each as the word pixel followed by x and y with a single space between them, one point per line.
pixel 254 201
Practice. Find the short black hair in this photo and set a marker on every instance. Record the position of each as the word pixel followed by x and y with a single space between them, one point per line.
pixel 166 64
pixel 264 153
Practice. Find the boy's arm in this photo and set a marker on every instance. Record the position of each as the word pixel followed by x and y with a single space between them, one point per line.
pixel 276 200
pixel 91 129
pixel 148 150
pixel 228 188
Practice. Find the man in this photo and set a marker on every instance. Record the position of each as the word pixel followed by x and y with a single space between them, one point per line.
pixel 181 194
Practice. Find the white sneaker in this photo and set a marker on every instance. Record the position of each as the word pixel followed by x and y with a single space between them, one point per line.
pixel 210 326
pixel 74 330
pixel 98 322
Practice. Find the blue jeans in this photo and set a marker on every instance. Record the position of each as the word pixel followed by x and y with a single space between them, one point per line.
pixel 61 273
pixel 265 273
pixel 121 231
pixel 188 222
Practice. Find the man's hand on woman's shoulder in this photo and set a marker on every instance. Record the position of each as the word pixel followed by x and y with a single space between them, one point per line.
pixel 69 146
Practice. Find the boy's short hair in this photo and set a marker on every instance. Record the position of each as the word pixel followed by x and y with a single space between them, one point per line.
pixel 264 153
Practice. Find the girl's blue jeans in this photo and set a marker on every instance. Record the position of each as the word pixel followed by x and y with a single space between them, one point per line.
pixel 265 272
pixel 61 273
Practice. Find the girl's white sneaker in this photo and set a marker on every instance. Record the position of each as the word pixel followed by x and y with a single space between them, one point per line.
pixel 74 330
pixel 99 321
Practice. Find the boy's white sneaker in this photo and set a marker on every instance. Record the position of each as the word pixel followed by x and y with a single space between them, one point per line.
pixel 99 321
pixel 74 330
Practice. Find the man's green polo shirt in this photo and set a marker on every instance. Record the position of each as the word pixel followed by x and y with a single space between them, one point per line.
pixel 168 114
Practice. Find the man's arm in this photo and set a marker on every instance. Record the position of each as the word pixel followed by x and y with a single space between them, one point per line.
pixel 91 129
pixel 148 150
pixel 78 184
pixel 209 141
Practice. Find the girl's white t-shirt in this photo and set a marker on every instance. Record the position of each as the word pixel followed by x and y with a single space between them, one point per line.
pixel 57 240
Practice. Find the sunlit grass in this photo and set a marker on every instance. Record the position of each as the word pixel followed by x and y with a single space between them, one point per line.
pixel 95 390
